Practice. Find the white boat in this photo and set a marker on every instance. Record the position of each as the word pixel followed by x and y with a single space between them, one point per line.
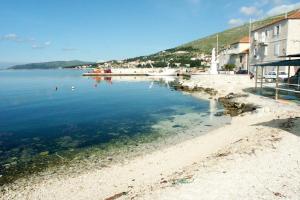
pixel 164 72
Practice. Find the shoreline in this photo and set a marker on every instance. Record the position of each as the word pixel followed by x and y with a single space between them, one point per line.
pixel 150 174
pixel 168 131
pixel 120 150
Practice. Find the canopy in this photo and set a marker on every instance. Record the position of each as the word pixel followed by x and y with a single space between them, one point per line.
pixel 295 62
pixel 291 56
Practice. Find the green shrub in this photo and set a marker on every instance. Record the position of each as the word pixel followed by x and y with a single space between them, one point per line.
pixel 229 67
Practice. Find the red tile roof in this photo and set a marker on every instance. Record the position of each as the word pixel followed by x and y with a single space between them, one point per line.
pixel 295 15
pixel 292 15
pixel 242 40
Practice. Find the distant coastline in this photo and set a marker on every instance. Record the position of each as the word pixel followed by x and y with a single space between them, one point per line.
pixel 49 65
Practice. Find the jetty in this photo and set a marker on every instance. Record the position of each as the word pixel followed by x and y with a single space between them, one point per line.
pixel 137 72
pixel 113 74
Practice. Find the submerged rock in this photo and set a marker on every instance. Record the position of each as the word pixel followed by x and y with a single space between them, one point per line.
pixel 44 153
pixel 176 126
pixel 219 114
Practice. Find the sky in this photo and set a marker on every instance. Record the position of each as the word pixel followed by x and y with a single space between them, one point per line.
pixel 96 30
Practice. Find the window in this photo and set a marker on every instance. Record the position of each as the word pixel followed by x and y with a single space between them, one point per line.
pixel 263 36
pixel 256 36
pixel 276 49
pixel 255 53
pixel 241 59
pixel 266 50
pixel 277 30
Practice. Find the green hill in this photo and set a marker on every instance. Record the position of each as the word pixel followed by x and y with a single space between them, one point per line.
pixel 204 45
pixel 226 37
pixel 50 65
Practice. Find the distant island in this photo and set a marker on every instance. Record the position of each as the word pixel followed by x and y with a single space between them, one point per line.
pixel 51 65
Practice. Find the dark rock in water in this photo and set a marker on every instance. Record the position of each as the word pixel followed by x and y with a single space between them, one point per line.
pixel 209 91
pixel 219 114
pixel 208 125
pixel 176 126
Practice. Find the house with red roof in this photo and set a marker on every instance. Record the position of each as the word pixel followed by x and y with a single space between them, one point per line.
pixel 274 41
pixel 236 53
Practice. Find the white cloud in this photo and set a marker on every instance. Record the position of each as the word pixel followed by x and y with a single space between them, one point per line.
pixel 250 10
pixel 283 8
pixel 41 46
pixel 235 22
pixel 10 36
pixel 260 3
pixel 48 43
pixel 36 46
pixel 31 41
pixel 69 49
pixel 13 37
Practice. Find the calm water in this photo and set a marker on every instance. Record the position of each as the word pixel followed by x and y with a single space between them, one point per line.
pixel 40 113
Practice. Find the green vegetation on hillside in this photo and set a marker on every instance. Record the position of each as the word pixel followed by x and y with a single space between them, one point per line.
pixel 226 37
pixel 204 45
pixel 50 65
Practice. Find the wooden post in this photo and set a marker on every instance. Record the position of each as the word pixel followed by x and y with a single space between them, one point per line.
pixel 277 85
pixel 261 79
pixel 256 69
pixel 289 74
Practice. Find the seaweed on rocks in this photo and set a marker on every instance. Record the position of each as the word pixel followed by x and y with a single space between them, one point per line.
pixel 235 108
pixel 185 88
pixel 232 107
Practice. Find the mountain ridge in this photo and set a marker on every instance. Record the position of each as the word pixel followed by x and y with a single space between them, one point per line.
pixel 50 65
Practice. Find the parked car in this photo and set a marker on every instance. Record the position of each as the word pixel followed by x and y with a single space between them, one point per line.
pixel 242 71
pixel 273 75
pixel 294 79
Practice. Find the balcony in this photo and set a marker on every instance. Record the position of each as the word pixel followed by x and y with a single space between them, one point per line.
pixel 262 43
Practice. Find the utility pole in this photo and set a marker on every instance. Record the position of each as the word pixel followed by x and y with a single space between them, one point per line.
pixel 217 44
pixel 249 56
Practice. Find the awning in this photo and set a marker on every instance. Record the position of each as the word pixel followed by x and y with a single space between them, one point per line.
pixel 295 62
pixel 291 56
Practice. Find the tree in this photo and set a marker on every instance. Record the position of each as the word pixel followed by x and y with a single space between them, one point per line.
pixel 196 63
pixel 229 67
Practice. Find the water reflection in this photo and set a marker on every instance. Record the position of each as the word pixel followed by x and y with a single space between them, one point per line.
pixel 160 80
pixel 212 108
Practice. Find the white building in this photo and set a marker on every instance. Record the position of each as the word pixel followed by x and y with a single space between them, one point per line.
pixel 274 41
pixel 236 53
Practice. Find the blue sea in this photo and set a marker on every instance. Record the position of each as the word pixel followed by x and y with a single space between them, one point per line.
pixel 45 112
